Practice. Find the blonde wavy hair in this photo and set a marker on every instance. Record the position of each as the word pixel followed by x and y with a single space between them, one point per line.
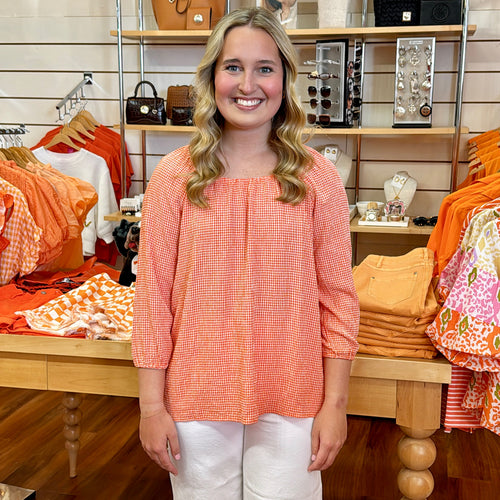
pixel 288 124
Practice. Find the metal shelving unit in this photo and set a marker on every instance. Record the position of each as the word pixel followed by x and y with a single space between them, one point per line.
pixel 363 33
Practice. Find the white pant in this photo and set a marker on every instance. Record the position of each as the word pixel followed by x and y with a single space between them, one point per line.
pixel 267 460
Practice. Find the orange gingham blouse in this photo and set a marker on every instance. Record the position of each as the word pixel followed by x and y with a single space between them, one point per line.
pixel 240 302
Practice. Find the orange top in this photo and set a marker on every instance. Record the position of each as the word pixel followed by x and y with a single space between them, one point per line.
pixel 484 137
pixel 44 205
pixel 240 302
pixel 445 237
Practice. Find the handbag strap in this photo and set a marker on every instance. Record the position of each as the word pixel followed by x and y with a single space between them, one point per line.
pixel 149 83
pixel 177 2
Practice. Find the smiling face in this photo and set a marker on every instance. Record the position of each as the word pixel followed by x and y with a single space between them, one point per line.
pixel 248 79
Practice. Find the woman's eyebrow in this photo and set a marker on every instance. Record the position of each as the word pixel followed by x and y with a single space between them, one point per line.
pixel 261 61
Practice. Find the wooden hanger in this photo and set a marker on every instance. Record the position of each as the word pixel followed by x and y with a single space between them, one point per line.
pixel 90 117
pixel 61 138
pixel 80 128
pixel 71 132
pixel 474 163
pixel 476 170
pixel 27 154
pixel 85 122
pixel 13 155
pixel 2 156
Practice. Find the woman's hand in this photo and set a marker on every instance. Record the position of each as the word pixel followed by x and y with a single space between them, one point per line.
pixel 329 433
pixel 157 431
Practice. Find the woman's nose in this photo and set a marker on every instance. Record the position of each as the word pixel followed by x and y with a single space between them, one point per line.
pixel 247 82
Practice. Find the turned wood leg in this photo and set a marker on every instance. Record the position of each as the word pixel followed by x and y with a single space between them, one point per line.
pixel 417 453
pixel 72 417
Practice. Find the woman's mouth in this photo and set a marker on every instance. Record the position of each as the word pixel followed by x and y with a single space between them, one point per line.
pixel 248 103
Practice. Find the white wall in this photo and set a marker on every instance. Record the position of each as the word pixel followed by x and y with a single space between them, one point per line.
pixel 46 45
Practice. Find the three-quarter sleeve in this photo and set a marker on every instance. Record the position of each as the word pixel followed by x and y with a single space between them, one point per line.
pixel 161 212
pixel 339 305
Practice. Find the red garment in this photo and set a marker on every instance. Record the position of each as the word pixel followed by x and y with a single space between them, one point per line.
pixel 14 298
pixel 66 280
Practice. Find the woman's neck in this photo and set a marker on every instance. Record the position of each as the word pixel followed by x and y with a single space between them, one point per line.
pixel 246 155
pixel 236 141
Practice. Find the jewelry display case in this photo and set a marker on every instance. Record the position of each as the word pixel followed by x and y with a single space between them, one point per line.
pixel 414 82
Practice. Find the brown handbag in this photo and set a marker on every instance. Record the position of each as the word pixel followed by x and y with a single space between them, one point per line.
pixel 179 96
pixel 145 110
pixel 173 14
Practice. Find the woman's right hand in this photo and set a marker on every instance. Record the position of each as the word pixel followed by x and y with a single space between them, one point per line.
pixel 157 431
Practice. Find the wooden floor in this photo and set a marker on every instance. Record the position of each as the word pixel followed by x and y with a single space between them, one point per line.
pixel 112 464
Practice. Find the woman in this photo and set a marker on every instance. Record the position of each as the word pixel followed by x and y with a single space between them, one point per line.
pixel 245 315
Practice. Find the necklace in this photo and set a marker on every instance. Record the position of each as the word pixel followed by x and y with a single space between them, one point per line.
pixel 396 195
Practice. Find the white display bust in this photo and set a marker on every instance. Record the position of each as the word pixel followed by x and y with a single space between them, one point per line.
pixel 342 162
pixel 401 186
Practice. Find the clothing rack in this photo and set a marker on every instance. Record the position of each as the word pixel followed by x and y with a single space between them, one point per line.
pixel 73 95
pixel 21 129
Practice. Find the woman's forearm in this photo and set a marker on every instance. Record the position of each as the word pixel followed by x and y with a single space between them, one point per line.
pixel 151 391
pixel 337 373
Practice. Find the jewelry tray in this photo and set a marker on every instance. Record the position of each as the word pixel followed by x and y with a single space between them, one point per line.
pixel 382 221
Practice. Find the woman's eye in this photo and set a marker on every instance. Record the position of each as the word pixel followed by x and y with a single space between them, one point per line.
pixel 266 69
pixel 232 67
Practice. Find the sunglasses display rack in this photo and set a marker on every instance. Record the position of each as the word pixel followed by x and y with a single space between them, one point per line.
pixel 354 84
pixel 327 89
pixel 414 82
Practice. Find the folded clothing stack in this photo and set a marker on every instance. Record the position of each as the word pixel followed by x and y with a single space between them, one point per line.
pixel 397 301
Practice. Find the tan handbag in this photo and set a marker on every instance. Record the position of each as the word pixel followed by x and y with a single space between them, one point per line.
pixel 179 96
pixel 173 14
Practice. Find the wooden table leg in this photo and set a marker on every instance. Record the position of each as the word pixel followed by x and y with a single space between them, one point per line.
pixel 72 418
pixel 417 453
pixel 418 416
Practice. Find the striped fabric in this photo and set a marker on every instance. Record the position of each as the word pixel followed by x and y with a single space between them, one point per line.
pixel 241 301
pixel 456 416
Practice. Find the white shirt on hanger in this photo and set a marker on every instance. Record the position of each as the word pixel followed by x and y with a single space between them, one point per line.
pixel 93 169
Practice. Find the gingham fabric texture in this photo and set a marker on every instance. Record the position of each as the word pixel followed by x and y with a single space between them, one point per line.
pixel 21 255
pixel 98 299
pixel 240 302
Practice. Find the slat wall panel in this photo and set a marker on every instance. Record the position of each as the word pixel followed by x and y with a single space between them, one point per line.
pixel 47 46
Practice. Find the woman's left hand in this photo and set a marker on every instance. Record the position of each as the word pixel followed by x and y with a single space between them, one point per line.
pixel 329 433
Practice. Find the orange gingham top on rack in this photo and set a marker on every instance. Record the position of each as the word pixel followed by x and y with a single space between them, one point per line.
pixel 240 302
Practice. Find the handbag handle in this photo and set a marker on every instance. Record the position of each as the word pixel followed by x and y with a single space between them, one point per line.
pixel 155 94
pixel 177 2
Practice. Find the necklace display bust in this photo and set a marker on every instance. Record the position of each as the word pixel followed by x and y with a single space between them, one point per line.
pixel 400 187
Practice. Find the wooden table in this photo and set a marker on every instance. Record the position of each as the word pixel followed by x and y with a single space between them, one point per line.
pixel 404 389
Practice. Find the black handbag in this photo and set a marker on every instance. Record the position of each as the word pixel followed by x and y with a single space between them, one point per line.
pixel 182 116
pixel 146 110
pixel 397 12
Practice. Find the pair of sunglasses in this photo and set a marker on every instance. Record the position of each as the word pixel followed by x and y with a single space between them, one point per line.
pixel 424 221
pixel 324 91
pixel 314 75
pixel 322 119
pixel 325 103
